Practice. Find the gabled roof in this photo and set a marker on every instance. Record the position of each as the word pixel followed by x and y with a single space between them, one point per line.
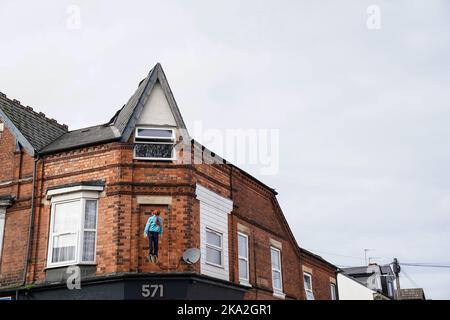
pixel 33 130
pixel 317 257
pixel 45 136
pixel 387 270
pixel 126 119
pixel 356 280
pixel 368 270
pixel 363 270
pixel 123 122
pixel 83 137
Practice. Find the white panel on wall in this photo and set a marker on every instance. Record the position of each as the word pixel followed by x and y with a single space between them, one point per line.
pixel 2 227
pixel 214 211
pixel 349 289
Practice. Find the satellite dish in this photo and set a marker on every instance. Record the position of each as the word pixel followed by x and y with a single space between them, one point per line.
pixel 191 256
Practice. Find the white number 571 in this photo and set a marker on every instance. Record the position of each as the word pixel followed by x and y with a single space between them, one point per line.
pixel 152 290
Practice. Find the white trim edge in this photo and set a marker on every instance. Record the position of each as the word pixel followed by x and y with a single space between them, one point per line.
pixel 280 295
pixel 60 191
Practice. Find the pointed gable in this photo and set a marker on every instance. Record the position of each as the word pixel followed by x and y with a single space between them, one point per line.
pixel 152 103
pixel 157 110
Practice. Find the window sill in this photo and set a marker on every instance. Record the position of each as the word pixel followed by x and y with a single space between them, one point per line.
pixel 55 275
pixel 70 264
pixel 156 159
pixel 245 283
pixel 279 294
pixel 214 265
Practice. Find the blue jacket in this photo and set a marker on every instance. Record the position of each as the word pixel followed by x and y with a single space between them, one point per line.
pixel 152 226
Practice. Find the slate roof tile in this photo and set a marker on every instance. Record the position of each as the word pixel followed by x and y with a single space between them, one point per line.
pixel 35 127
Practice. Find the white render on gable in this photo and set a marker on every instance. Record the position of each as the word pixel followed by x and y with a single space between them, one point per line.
pixel 157 110
pixel 350 289
pixel 214 211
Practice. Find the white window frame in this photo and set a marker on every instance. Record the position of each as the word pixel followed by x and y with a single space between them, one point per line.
pixel 277 291
pixel 308 275
pixel 80 197
pixel 154 140
pixel 2 228
pixel 333 290
pixel 245 281
pixel 162 139
pixel 208 245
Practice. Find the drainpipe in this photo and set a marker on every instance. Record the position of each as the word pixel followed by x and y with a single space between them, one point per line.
pixel 233 251
pixel 30 228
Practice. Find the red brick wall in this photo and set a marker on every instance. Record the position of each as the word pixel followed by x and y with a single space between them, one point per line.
pixel 7 147
pixel 254 208
pixel 121 219
pixel 322 276
pixel 16 171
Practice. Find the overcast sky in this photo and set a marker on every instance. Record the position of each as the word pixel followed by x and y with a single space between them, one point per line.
pixel 363 113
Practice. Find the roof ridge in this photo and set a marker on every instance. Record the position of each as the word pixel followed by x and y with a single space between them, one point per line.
pixel 41 115
pixel 90 127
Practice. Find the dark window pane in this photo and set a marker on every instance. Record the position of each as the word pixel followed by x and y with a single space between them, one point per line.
pixel 153 150
pixel 307 282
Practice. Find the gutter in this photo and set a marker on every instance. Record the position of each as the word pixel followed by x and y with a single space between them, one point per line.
pixel 90 144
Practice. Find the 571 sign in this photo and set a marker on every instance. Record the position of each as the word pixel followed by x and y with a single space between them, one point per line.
pixel 153 290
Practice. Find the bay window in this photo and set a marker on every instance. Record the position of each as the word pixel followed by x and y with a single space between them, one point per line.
pixel 73 228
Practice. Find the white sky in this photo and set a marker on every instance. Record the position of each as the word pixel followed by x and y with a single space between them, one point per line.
pixel 363 114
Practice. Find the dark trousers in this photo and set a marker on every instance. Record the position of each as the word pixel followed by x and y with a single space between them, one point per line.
pixel 153 242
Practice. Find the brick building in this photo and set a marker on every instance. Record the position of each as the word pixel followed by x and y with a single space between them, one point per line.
pixel 82 198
